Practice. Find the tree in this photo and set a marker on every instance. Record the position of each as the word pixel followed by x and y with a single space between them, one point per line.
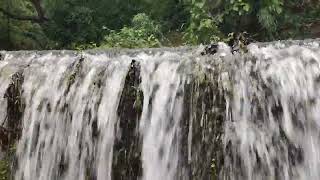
pixel 20 25
pixel 39 18
pixel 69 24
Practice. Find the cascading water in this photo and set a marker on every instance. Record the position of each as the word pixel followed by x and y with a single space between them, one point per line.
pixel 272 129
pixel 61 113
pixel 164 114
pixel 162 86
pixel 4 84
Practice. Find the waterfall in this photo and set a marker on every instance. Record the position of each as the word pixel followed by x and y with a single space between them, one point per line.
pixel 61 112
pixel 162 86
pixel 163 113
pixel 272 128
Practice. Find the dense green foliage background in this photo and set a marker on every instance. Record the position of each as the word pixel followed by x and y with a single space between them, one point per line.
pixel 82 24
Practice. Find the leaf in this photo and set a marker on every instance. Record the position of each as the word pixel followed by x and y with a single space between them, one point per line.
pixel 246 7
pixel 278 10
pixel 235 8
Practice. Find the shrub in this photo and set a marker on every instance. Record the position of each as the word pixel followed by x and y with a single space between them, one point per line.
pixel 143 32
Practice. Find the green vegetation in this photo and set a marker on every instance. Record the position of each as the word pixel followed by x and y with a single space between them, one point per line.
pixel 83 24
pixel 4 169
pixel 143 32
pixel 6 163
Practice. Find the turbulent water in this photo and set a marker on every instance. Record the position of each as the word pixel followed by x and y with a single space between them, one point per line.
pixel 273 127
pixel 227 116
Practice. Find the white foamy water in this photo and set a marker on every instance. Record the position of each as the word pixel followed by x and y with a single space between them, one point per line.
pixel 8 66
pixel 69 128
pixel 162 86
pixel 269 105
pixel 57 140
pixel 272 130
pixel 4 83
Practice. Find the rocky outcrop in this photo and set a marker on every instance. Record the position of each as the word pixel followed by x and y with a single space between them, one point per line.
pixel 127 147
pixel 10 130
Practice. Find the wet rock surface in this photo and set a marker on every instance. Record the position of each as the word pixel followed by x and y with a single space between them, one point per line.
pixel 12 124
pixel 210 49
pixel 126 162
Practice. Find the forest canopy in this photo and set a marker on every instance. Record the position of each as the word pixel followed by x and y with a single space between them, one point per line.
pixel 83 24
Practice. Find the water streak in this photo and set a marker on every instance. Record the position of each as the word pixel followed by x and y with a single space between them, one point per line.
pixel 162 87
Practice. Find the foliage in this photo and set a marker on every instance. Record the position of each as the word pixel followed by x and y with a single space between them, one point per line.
pixel 76 22
pixel 143 33
pixel 4 169
pixel 6 163
pixel 300 25
pixel 172 14
pixel 75 27
pixel 82 24
pixel 268 12
pixel 202 28
pixel 15 34
pixel 213 168
pixel 250 15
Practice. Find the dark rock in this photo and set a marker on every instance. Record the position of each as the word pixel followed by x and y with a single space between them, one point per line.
pixel 15 108
pixel 240 41
pixel 1 57
pixel 210 49
pixel 203 130
pixel 126 162
pixel 76 71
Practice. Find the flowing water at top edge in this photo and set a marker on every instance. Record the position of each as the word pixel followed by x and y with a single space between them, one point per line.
pixel 67 105
pixel 271 130
pixel 162 86
pixel 70 116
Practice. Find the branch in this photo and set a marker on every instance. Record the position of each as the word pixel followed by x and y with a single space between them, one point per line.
pixel 36 19
pixel 39 9
pixel 21 18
